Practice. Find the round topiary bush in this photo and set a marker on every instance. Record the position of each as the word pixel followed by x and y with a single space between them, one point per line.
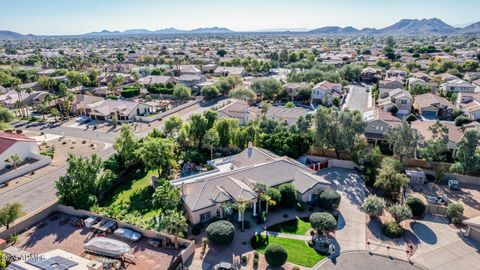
pixel 275 255
pixel 392 229
pixel 329 199
pixel 221 232
pixel 289 195
pixel 417 206
pixel 323 222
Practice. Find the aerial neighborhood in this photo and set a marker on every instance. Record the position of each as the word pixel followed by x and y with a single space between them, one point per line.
pixel 333 148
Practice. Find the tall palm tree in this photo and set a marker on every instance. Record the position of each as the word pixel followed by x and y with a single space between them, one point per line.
pixel 29 91
pixel 173 222
pixel 227 208
pixel 242 206
pixel 260 189
pixel 15 160
pixel 20 101
pixel 268 201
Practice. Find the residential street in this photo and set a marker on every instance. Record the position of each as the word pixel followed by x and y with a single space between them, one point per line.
pixel 358 98
pixel 38 192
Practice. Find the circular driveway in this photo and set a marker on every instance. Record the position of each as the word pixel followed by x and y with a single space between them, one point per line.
pixel 365 261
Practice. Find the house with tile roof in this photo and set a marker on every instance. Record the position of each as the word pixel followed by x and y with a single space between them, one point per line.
pixel 239 110
pixel 378 123
pixel 234 179
pixel 469 103
pixel 455 133
pixel 400 98
pixel 431 105
pixel 16 144
pixel 325 92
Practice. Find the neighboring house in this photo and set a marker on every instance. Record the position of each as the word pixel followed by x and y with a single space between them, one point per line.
pixel 415 82
pixel 154 79
pixel 240 110
pixel 378 123
pixel 106 79
pixel 454 133
pixel 431 105
pixel 186 70
pixel 477 85
pixel 235 178
pixel 369 74
pixel 469 103
pixel 393 83
pixel 325 92
pixel 447 77
pixel 54 259
pixel 473 228
pixel 398 97
pixel 459 86
pixel 191 80
pixel 395 73
pixel 225 71
pixel 125 110
pixel 19 144
pixel 82 101
pixel 288 116
pixel 11 97
pixel 422 76
pixel 292 89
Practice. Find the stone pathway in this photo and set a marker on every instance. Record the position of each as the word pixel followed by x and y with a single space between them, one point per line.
pixel 289 236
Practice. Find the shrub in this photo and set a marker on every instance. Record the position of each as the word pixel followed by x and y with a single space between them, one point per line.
pixel 329 199
pixel 461 120
pixel 323 222
pixel 210 92
pixel 289 195
pixel 275 255
pixel 128 92
pixel 400 212
pixel 373 205
pixel 392 229
pixel 221 232
pixel 455 212
pixel 197 229
pixel 182 92
pixel 417 206
pixel 275 195
pixel 301 206
pixel 255 254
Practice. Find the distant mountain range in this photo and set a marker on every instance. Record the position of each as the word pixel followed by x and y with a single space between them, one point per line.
pixel 410 27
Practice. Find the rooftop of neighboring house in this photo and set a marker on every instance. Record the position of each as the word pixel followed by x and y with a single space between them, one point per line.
pixel 8 139
pixel 284 114
pixel 393 95
pixel 454 133
pixel 327 86
pixel 459 83
pixel 105 107
pixel 238 108
pixel 155 79
pixel 251 166
pixel 429 99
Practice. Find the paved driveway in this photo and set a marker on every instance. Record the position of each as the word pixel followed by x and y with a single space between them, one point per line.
pixel 358 98
pixel 351 224
pixel 443 247
pixel 364 261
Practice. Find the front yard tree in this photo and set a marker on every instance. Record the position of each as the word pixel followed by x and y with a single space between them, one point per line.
pixel 390 180
pixel 344 129
pixel 322 122
pixel 210 92
pixel 329 199
pixel 198 128
pixel 125 146
pixel 166 196
pixel 404 141
pixel 82 182
pixel 267 89
pixel 182 92
pixel 159 153
pixel 220 232
pixel 242 206
pixel 211 140
pixel 289 195
pixel 261 191
pixel 9 213
pixel 436 147
pixel 226 128
pixel 172 126
pixel 173 222
pixel 417 206
pixel 374 205
pixel 276 255
pixel 323 222
pixel 370 161
pixel 400 212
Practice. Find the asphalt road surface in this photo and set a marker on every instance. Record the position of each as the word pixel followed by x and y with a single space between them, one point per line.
pixel 37 193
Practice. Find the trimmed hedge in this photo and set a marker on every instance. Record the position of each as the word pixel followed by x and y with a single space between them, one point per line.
pixel 417 206
pixel 329 199
pixel 289 195
pixel 128 92
pixel 323 222
pixel 275 255
pixel 392 229
pixel 221 232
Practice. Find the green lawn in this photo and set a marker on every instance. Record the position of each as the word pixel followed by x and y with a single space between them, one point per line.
pixel 299 252
pixel 134 191
pixel 298 226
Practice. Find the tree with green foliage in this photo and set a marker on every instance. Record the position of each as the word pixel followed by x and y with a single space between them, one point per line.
pixel 343 129
pixel 226 128
pixel 159 153
pixel 267 89
pixel 435 148
pixel 369 161
pixel 9 213
pixel 211 117
pixel 323 222
pixel 166 196
pixel 468 159
pixel 241 205
pixel 174 223
pixel 125 146
pixel 210 92
pixel 275 195
pixel 276 255
pixel 211 140
pixel 390 179
pixel 400 212
pixel 289 195
pixel 455 212
pixel 245 94
pixel 374 205
pixel 172 126
pixel 220 232
pixel 182 92
pixel 84 180
pixel 198 128
pixel 15 159
pixel 6 116
pixel 404 141
pixel 329 199
pixel 416 205
pixel 3 261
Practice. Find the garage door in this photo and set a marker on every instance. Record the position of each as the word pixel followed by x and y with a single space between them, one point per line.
pixel 474 234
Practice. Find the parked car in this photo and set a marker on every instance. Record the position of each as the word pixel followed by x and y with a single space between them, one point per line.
pixel 82 120
pixel 224 266
pixel 453 184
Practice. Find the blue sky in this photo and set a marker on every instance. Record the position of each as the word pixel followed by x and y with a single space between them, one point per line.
pixel 81 16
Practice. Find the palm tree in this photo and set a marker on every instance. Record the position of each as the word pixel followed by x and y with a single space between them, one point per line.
pixel 260 189
pixel 20 103
pixel 29 91
pixel 15 160
pixel 174 223
pixel 242 206
pixel 227 208
pixel 268 201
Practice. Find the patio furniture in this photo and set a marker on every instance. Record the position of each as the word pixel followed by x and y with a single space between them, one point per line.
pixel 89 222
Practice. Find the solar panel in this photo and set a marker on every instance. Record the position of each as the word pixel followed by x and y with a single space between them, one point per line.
pixel 54 263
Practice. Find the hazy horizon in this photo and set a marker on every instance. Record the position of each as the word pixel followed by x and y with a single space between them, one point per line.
pixel 57 17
